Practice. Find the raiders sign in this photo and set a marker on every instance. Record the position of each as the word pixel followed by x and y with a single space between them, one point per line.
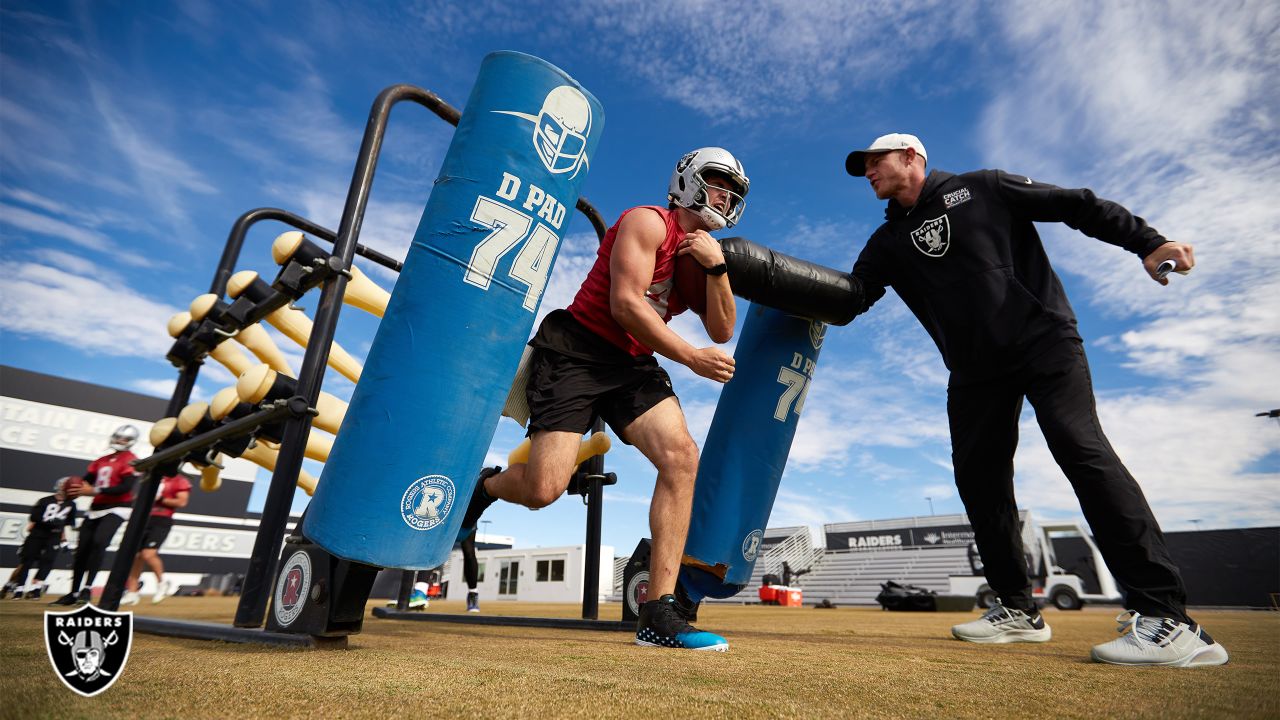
pixel 933 237
pixel 88 647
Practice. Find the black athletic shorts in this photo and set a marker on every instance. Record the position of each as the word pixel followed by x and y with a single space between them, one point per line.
pixel 158 527
pixel 37 548
pixel 576 376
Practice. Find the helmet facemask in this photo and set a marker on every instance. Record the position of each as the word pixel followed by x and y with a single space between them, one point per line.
pixel 734 204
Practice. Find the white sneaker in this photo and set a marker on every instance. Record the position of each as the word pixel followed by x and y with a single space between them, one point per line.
pixel 162 592
pixel 1004 625
pixel 1146 640
pixel 130 598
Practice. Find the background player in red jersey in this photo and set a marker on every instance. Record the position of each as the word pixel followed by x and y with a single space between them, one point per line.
pixel 109 481
pixel 595 359
pixel 174 493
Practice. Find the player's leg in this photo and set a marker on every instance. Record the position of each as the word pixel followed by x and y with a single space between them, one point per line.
pixel 106 529
pixel 131 584
pixel 660 433
pixel 12 584
pixel 552 455
pixel 80 564
pixel 471 572
pixel 561 393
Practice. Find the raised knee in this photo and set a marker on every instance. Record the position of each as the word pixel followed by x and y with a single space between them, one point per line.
pixel 543 495
pixel 679 459
pixel 542 490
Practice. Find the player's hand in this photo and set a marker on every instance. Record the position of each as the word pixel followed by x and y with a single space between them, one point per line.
pixel 712 363
pixel 1181 254
pixel 702 247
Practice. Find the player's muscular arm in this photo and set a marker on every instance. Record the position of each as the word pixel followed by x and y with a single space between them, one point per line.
pixel 630 273
pixel 722 311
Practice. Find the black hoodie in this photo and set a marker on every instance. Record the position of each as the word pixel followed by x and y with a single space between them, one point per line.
pixel 968 262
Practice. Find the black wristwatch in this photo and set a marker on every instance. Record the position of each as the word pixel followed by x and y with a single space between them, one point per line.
pixel 720 269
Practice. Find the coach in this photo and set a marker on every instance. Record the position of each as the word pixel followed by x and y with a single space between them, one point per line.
pixel 962 252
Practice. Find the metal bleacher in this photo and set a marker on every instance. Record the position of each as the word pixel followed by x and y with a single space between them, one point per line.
pixel 844 577
pixel 853 577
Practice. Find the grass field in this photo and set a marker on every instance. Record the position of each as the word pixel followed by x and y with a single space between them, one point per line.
pixel 783 663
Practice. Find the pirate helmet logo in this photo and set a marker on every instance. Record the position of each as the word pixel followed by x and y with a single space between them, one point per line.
pixel 88 648
pixel 933 237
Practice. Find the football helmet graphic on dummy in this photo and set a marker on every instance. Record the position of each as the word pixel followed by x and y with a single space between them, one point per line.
pixel 688 187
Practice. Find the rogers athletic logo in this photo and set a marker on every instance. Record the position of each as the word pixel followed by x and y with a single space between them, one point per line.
pixel 292 588
pixel 638 591
pixel 427 501
pixel 751 545
pixel 89 647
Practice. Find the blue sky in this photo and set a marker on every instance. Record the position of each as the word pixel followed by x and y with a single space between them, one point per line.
pixel 133 134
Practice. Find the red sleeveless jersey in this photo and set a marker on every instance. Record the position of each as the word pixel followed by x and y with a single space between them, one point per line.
pixel 591 305
pixel 109 471
pixel 170 488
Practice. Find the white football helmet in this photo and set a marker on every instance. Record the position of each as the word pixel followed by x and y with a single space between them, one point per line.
pixel 688 187
pixel 561 130
pixel 123 438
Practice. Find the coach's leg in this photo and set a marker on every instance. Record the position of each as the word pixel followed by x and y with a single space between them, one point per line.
pixel 662 436
pixel 984 436
pixel 1121 520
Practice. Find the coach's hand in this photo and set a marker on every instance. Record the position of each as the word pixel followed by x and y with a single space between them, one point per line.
pixel 712 363
pixel 1181 254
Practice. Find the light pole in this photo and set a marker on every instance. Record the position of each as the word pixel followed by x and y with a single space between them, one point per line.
pixel 486 530
pixel 930 505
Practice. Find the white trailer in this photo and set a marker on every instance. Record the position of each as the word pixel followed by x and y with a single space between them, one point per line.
pixel 1051 585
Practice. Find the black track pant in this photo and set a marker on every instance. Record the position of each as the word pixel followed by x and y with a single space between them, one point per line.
pixel 984 435
pixel 470 565
pixel 95 536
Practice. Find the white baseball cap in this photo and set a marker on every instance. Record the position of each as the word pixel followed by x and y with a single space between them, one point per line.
pixel 856 163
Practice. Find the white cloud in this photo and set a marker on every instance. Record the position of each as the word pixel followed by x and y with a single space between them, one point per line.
pixel 163 176
pixel 772 58
pixel 1173 109
pixel 795 508
pixel 93 316
pixel 52 227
